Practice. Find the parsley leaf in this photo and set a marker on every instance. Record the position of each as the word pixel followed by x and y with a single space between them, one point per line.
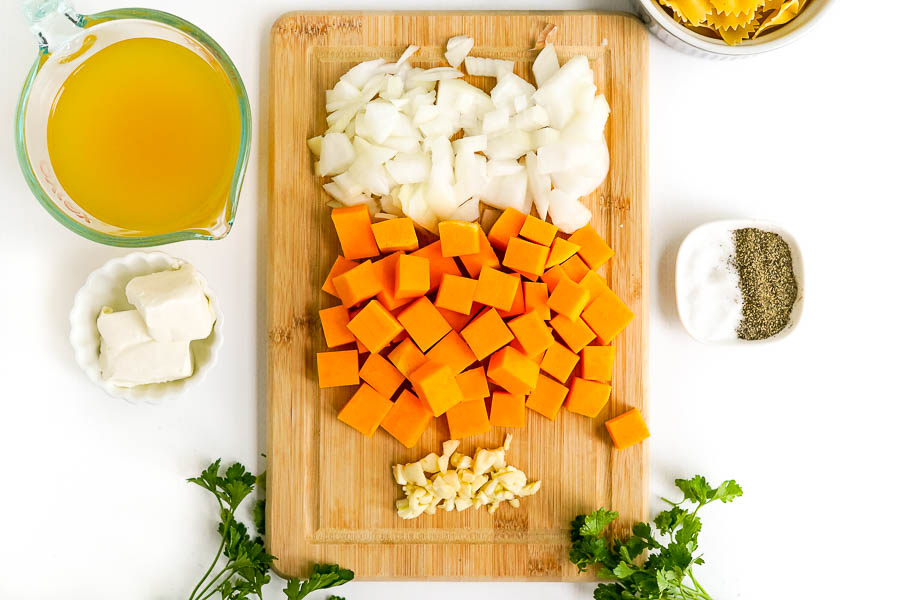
pixel 322 577
pixel 597 521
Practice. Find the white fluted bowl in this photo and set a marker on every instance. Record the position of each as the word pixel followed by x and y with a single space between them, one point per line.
pixel 106 287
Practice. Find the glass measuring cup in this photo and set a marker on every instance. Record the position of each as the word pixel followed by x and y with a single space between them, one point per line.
pixel 66 40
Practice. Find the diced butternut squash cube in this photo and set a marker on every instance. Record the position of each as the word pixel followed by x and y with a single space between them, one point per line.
pixel 473 384
pixel 467 419
pixel 458 238
pixel 627 429
pixel 392 235
pixel 408 419
pixel 341 265
pixel 525 257
pixel 532 333
pixel 354 230
pixel 593 249
pixel 496 288
pixel 338 368
pixel 452 351
pixel 575 268
pixel 438 264
pixel 424 323
pixel 485 257
pixel 413 277
pixel 381 375
pixel 507 226
pixel 374 326
pixel 486 334
pixel 553 276
pixel 538 231
pixel 594 283
pixel 597 362
pixel 536 296
pixel 358 284
pixel 457 320
pixel 547 398
pixel 559 361
pixel 435 384
pixel 560 251
pixel 587 397
pixel 334 325
pixel 575 333
pixel 507 410
pixel 456 294
pixel 365 410
pixel 518 305
pixel 513 371
pixel 569 299
pixel 407 357
pixel 607 315
pixel 386 271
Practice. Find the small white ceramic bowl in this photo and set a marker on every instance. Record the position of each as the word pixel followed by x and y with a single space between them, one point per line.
pixel 697 235
pixel 106 287
pixel 673 34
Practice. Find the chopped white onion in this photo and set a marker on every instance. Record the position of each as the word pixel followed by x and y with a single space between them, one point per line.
pixel 545 65
pixel 457 49
pixel 488 67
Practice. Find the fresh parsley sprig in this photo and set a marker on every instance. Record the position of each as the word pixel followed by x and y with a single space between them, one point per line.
pixel 246 563
pixel 649 565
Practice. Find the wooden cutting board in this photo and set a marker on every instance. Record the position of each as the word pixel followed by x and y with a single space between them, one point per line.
pixel 330 491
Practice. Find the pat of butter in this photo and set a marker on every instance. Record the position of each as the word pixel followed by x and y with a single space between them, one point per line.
pixel 129 356
pixel 172 304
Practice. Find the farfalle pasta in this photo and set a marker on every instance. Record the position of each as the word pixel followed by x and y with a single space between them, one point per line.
pixel 733 21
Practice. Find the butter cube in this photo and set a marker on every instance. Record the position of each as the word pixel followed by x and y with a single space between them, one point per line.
pixel 172 304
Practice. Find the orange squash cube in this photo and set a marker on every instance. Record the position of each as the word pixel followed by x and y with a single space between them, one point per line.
pixel 507 410
pixel 354 230
pixel 575 333
pixel 526 257
pixel 513 371
pixel 536 296
pixel 435 384
pixel 452 351
pixel 485 257
pixel 412 278
pixel 575 268
pixel 341 265
pixel 381 375
pixel 496 288
pixel 607 315
pixel 597 362
pixel 358 284
pixel 587 397
pixel 593 249
pixel 365 410
pixel 456 294
pixel 386 271
pixel 507 226
pixel 532 333
pixel 547 398
pixel 334 325
pixel 338 368
pixel 457 320
pixel 424 323
pixel 559 361
pixel 374 326
pixel 553 276
pixel 392 235
pixel 408 419
pixel 560 251
pixel 627 429
pixel 458 238
pixel 407 357
pixel 486 334
pixel 473 384
pixel 437 263
pixel 518 305
pixel 569 299
pixel 468 418
pixel 594 283
pixel 538 231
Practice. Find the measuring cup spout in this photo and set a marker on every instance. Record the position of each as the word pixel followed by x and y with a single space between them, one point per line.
pixel 54 22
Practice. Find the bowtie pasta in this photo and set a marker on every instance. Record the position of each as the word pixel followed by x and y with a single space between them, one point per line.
pixel 733 21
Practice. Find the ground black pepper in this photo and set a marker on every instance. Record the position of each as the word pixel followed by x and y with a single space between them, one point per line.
pixel 766 279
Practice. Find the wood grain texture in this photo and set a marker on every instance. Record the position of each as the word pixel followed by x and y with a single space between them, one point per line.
pixel 330 492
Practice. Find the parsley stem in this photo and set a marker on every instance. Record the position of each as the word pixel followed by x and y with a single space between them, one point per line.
pixel 225 524
pixel 206 592
pixel 690 573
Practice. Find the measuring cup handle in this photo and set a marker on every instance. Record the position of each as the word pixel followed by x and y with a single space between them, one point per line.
pixel 53 22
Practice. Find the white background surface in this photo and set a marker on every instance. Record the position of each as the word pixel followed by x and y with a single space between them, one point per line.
pixel 93 502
